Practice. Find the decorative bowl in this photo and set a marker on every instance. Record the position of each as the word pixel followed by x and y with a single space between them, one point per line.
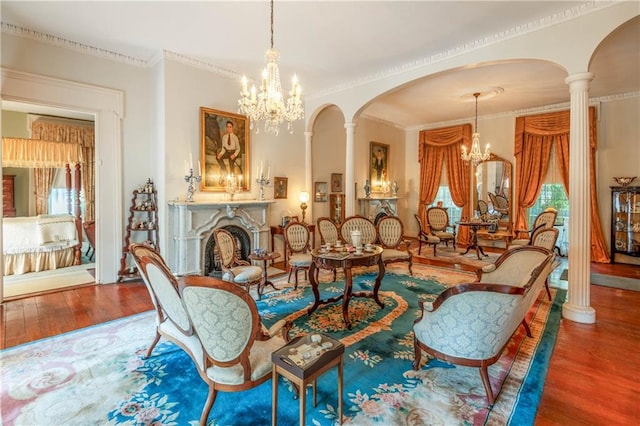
pixel 624 181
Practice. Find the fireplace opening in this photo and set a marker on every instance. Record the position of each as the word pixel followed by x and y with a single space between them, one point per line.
pixel 212 266
pixel 379 216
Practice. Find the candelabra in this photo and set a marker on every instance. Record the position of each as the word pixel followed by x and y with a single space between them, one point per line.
pixel 190 179
pixel 262 181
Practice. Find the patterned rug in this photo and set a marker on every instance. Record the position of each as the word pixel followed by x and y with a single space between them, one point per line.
pixel 451 256
pixel 98 375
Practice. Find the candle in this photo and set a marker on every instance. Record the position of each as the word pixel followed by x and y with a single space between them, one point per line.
pixel 190 161
pixel 261 169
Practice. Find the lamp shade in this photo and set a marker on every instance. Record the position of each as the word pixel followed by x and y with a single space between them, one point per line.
pixel 303 197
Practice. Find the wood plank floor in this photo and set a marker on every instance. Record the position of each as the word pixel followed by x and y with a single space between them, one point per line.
pixel 592 378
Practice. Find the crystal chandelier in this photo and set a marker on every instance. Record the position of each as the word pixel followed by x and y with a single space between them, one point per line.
pixel 475 155
pixel 269 105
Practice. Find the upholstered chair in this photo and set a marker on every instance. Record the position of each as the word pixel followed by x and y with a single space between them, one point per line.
pixel 546 238
pixel 296 240
pixel 438 221
pixel 471 324
pixel 237 348
pixel 544 220
pixel 395 247
pixel 235 270
pixel 483 208
pixel 424 237
pixel 90 231
pixel 328 231
pixel 365 226
pixel 172 321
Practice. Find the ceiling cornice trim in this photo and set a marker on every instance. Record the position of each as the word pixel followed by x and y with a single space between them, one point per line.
pixel 71 45
pixel 526 111
pixel 197 63
pixel 513 32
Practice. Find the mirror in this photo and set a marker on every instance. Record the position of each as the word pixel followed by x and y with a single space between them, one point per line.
pixel 492 180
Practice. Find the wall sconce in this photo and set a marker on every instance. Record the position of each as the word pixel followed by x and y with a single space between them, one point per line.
pixel 303 197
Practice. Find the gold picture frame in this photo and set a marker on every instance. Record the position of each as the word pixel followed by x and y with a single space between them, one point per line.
pixel 280 187
pixel 320 192
pixel 378 165
pixel 218 159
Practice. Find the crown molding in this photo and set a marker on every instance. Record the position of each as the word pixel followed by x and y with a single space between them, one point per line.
pixel 513 32
pixel 71 45
pixel 526 111
pixel 197 63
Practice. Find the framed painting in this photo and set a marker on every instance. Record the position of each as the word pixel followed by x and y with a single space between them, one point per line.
pixel 280 187
pixel 336 182
pixel 224 150
pixel 378 166
pixel 320 192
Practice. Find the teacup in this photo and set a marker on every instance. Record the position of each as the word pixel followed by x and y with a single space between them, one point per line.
pixel 338 244
pixel 359 250
pixel 368 247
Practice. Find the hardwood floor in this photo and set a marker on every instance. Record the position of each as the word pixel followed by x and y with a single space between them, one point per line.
pixel 592 378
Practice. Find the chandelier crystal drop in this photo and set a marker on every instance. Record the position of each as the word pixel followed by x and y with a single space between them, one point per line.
pixel 475 155
pixel 269 105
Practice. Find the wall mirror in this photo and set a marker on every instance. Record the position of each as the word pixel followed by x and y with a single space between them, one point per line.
pixel 492 182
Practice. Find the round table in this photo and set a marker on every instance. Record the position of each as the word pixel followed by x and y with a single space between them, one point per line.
pixel 345 260
pixel 266 257
pixel 474 226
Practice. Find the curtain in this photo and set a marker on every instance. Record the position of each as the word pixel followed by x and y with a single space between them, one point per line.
pixel 43 178
pixel 534 138
pixel 18 152
pixel 444 145
pixel 78 133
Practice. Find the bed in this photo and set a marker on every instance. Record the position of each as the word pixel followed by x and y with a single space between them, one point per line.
pixel 40 243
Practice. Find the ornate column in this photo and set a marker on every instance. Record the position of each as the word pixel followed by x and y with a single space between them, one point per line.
pixel 349 181
pixel 577 308
pixel 308 172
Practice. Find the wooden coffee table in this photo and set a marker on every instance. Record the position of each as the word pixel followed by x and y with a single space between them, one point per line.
pixel 345 260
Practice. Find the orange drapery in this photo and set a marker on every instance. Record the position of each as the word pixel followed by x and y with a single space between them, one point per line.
pixel 534 138
pixel 436 146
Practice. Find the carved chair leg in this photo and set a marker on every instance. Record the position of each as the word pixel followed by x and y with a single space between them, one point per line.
pixel 153 345
pixel 484 374
pixel 526 328
pixel 296 272
pixel 434 250
pixel 211 398
pixel 335 274
pixel 419 247
pixel 417 354
pixel 546 286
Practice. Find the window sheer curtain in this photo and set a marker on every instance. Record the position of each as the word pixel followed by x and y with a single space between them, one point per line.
pixel 444 145
pixel 535 136
pixel 80 134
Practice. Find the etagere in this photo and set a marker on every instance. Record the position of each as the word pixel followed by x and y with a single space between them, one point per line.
pixel 142 227
pixel 625 222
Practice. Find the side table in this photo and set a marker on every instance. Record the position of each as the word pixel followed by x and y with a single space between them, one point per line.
pixel 302 361
pixel 266 257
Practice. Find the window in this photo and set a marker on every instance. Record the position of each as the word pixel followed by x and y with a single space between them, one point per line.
pixel 445 196
pixel 58 201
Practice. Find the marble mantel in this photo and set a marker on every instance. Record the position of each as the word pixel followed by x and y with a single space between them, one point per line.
pixel 371 207
pixel 190 226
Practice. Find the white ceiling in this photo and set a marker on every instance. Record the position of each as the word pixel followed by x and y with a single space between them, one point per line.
pixel 330 43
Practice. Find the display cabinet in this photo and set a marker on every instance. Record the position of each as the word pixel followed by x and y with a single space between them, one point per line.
pixel 142 227
pixel 625 222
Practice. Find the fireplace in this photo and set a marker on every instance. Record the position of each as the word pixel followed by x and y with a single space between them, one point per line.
pixel 190 231
pixel 375 208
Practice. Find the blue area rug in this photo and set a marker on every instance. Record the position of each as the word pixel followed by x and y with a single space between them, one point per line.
pixel 99 376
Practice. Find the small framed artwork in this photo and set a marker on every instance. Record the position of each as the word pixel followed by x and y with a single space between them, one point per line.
pixel 280 187
pixel 320 192
pixel 336 182
pixel 336 208
pixel 224 150
pixel 378 166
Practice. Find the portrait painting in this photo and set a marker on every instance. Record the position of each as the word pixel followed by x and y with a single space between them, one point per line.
pixel 378 166
pixel 336 182
pixel 224 150
pixel 280 187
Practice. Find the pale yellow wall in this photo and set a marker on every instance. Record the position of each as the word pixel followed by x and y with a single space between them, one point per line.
pixel 14 125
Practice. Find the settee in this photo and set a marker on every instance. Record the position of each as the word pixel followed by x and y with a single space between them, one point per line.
pixel 471 324
pixel 39 243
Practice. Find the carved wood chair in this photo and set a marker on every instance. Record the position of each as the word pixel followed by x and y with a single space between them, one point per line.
pixel 424 237
pixel 367 229
pixel 296 240
pixel 90 230
pixel 237 347
pixel 391 237
pixel 544 220
pixel 235 270
pixel 438 221
pixel 329 234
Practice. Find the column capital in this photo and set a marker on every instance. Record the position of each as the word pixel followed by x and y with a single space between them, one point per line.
pixel 349 125
pixel 585 77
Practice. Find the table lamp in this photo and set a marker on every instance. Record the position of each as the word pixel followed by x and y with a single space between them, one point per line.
pixel 303 197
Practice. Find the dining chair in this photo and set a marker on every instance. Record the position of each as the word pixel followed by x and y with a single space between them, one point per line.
pixel 424 237
pixel 394 247
pixel 296 239
pixel 329 234
pixel 544 220
pixel 235 270
pixel 438 221
pixel 236 346
pixel 368 232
